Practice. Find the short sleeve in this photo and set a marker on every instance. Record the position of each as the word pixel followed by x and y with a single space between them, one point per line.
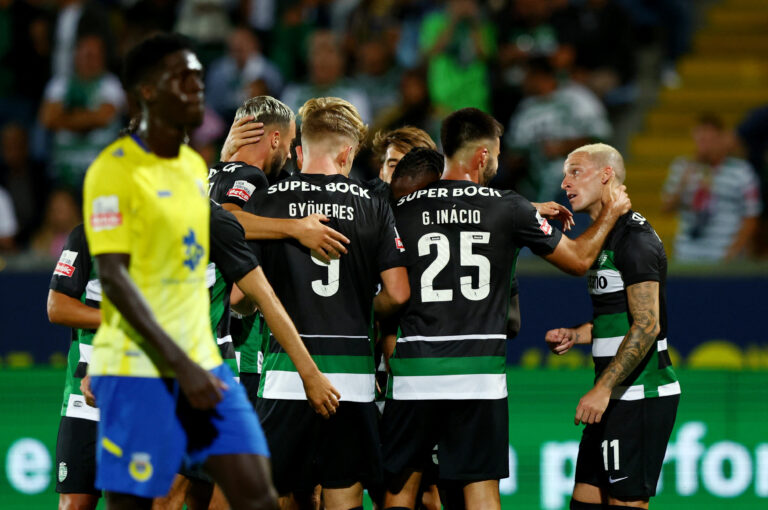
pixel 533 231
pixel 111 92
pixel 108 206
pixel 55 90
pixel 390 249
pixel 238 187
pixel 73 268
pixel 229 250
pixel 639 258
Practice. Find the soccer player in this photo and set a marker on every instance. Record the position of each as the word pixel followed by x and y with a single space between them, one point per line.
pixel 391 146
pixel 162 389
pixel 449 364
pixel 235 179
pixel 73 300
pixel 331 305
pixel 630 410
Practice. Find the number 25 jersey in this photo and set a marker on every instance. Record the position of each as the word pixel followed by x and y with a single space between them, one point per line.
pixel 462 241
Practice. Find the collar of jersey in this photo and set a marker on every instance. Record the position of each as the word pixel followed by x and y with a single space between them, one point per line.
pixel 140 143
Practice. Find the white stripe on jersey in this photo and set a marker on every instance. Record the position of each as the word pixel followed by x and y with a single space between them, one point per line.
pixel 93 290
pixel 637 392
pixel 450 387
pixel 608 347
pixel 86 351
pixel 279 384
pixel 77 408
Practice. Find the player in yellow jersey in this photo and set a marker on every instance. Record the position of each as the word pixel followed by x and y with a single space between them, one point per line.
pixel 164 394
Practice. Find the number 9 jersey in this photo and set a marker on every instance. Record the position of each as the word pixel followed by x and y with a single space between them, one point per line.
pixel 330 304
pixel 462 241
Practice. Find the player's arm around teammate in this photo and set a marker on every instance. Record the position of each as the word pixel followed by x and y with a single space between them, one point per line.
pixel 575 256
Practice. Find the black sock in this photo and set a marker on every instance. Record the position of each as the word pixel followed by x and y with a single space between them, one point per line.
pixel 395 508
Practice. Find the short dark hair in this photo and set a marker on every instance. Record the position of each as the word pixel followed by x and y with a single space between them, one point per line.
pixel 540 65
pixel 145 58
pixel 710 119
pixel 467 125
pixel 417 162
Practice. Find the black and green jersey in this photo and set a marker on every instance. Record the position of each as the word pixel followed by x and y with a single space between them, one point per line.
pixel 632 253
pixel 330 303
pixel 76 276
pixel 462 241
pixel 231 259
pixel 250 342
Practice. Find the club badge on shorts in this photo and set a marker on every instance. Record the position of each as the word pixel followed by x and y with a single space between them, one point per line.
pixel 140 467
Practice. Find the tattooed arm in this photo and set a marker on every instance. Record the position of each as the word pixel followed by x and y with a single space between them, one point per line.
pixel 643 301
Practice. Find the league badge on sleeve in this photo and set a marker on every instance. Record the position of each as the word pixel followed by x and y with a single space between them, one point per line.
pixel 544 225
pixel 242 190
pixel 106 213
pixel 399 242
pixel 66 264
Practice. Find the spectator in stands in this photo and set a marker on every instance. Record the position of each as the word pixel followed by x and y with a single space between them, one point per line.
pixel 62 214
pixel 550 122
pixel 23 179
pixel 717 198
pixel 25 59
pixel 752 134
pixel 75 19
pixel 599 32
pixel 412 108
pixel 83 112
pixel 377 74
pixel 326 77
pixel 229 77
pixel 525 31
pixel 458 42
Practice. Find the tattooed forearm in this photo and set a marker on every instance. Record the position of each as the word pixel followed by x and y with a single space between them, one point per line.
pixel 643 301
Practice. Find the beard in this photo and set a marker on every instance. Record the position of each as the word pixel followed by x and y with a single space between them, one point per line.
pixel 277 162
pixel 489 172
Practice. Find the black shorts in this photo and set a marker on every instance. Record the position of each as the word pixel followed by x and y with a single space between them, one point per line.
pixel 472 437
pixel 623 454
pixel 250 382
pixel 308 450
pixel 76 456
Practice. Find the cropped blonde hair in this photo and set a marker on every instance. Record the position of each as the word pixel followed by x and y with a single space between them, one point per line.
pixel 604 155
pixel 323 116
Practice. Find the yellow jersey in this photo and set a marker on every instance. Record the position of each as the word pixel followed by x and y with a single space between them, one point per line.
pixel 156 210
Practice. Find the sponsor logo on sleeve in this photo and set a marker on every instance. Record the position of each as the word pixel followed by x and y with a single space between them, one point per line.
pixel 242 190
pixel 66 264
pixel 544 226
pixel 106 213
pixel 399 242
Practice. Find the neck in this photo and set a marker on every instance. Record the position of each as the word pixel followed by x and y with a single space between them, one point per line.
pixel 458 171
pixel 162 139
pixel 253 154
pixel 325 165
pixel 595 209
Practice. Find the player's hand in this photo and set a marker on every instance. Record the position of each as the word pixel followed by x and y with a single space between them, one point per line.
pixel 592 405
pixel 560 340
pixel 321 238
pixel 85 388
pixel 202 388
pixel 555 211
pixel 242 132
pixel 321 394
pixel 615 196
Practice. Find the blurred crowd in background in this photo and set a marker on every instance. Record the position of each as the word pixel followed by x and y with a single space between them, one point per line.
pixel 556 73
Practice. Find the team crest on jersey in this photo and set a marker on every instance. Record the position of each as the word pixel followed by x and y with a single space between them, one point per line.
pixel 193 250
pixel 140 467
pixel 66 264
pixel 63 471
pixel 602 258
pixel 106 213
pixel 242 190
pixel 544 226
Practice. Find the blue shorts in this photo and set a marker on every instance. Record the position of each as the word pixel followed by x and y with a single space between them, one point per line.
pixel 148 431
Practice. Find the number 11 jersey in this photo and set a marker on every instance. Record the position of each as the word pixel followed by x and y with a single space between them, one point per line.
pixel 330 304
pixel 462 242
